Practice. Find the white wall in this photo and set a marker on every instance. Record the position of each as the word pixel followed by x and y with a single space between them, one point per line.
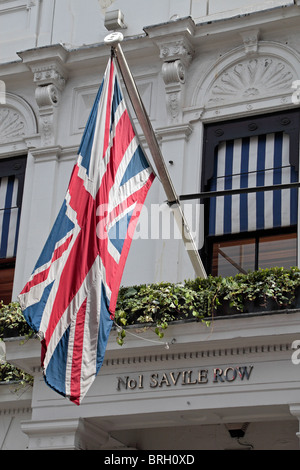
pixel 27 24
pixel 215 50
pixel 51 141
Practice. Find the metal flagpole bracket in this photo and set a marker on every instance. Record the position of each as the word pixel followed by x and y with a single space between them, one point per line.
pixel 114 40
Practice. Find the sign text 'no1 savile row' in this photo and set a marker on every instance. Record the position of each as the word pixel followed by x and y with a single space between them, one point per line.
pixel 184 377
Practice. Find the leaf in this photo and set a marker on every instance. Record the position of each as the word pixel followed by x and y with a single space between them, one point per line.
pixel 131 292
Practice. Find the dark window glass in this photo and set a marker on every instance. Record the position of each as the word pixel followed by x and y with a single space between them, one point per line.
pixel 12 173
pixel 7 271
pixel 236 256
pixel 249 227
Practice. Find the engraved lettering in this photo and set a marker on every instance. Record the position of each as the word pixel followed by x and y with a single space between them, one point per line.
pixel 132 383
pixel 218 375
pixel 202 376
pixel 123 383
pixel 243 372
pixel 230 374
pixel 154 380
pixel 165 381
pixel 173 378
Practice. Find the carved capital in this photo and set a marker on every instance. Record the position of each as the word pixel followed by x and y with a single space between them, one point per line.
pixel 177 49
pixel 49 74
pixel 177 54
pixel 47 65
pixel 50 77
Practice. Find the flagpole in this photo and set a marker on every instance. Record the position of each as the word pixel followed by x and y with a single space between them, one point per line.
pixel 114 40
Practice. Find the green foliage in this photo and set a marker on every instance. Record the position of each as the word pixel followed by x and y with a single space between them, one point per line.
pixel 10 373
pixel 12 322
pixel 155 304
pixel 12 319
pixel 159 304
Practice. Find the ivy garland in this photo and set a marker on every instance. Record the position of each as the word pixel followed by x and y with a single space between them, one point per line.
pixel 12 323
pixel 11 374
pixel 202 299
pixel 157 305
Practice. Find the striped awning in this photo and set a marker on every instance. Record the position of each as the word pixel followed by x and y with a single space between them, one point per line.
pixel 250 162
pixel 9 216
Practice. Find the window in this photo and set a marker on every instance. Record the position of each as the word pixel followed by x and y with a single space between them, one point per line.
pixel 251 227
pixel 12 172
pixel 230 257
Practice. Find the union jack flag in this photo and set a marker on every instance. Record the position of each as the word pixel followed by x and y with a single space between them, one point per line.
pixel 70 298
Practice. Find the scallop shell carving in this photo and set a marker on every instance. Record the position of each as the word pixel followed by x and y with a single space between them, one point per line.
pixel 251 79
pixel 12 126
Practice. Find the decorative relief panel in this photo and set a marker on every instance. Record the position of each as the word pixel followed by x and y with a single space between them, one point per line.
pixel 177 55
pixel 17 124
pixel 84 97
pixel 179 48
pixel 12 125
pixel 46 74
pixel 251 79
pixel 50 76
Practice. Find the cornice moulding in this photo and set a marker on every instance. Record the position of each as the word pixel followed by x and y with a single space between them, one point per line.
pixel 46 153
pixel 42 54
pixel 171 28
pixel 257 334
pixel 259 15
pixel 12 69
pixel 177 132
pixel 68 59
pixel 14 403
pixel 204 28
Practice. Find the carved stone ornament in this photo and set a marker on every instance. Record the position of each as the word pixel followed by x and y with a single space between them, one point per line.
pixel 250 40
pixel 12 125
pixel 49 74
pixel 177 55
pixel 47 96
pixel 173 72
pixel 174 77
pixel 50 77
pixel 177 49
pixel 173 105
pixel 252 79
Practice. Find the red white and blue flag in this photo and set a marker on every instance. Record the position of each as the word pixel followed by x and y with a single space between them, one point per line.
pixel 70 298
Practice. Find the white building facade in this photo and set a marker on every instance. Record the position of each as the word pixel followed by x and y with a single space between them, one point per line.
pixel 217 81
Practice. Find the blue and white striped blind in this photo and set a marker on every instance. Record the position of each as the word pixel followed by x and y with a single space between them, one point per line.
pixel 9 216
pixel 251 162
